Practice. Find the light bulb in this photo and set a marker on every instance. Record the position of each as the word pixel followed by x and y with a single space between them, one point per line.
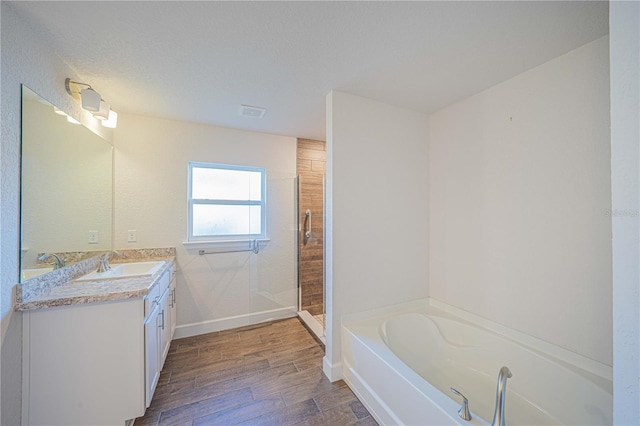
pixel 103 114
pixel 112 121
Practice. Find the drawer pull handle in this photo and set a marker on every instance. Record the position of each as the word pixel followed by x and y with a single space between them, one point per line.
pixel 162 317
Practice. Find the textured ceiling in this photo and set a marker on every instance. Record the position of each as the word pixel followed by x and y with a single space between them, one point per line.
pixel 198 61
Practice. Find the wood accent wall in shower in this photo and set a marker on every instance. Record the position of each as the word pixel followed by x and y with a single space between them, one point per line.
pixel 311 164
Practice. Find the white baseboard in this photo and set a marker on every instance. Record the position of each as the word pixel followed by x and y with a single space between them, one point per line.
pixel 332 371
pixel 204 327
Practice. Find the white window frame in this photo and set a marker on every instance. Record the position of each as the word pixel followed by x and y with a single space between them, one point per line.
pixel 226 240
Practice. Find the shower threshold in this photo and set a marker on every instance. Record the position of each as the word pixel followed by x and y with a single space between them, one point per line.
pixel 314 323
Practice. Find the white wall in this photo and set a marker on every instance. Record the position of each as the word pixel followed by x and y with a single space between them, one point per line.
pixel 624 23
pixel 27 59
pixel 520 197
pixel 377 229
pixel 219 290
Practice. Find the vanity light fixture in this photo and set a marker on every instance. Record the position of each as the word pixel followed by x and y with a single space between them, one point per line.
pixel 103 112
pixel 92 102
pixel 112 121
pixel 90 99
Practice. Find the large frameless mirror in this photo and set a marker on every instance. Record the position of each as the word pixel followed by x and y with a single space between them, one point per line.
pixel 66 194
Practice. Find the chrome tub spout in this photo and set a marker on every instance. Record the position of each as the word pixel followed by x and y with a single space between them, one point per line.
pixel 501 392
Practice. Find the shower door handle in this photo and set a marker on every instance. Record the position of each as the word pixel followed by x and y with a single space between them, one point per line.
pixel 308 232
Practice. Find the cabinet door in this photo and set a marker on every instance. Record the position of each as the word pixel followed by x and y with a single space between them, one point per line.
pixel 83 364
pixel 164 326
pixel 172 295
pixel 151 349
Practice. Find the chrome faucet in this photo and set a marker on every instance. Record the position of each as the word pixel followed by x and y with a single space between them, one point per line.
pixel 501 391
pixel 104 266
pixel 59 262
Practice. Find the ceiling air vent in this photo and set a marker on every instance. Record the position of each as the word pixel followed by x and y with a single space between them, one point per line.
pixel 251 111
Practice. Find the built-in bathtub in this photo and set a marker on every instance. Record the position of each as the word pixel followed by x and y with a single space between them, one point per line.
pixel 402 362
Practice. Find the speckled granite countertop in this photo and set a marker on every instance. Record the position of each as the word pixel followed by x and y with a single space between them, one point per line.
pixel 60 288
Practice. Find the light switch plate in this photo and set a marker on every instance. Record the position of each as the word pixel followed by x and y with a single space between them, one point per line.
pixel 131 236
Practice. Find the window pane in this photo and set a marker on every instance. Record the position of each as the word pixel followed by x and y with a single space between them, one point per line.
pixel 255 186
pixel 255 219
pixel 213 219
pixel 223 184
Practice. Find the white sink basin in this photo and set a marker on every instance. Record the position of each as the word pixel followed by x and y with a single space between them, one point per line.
pixel 125 270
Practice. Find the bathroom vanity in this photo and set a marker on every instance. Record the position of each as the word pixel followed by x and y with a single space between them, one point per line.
pixel 94 348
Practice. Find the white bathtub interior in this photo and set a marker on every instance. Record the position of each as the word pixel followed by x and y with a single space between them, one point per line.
pixel 424 348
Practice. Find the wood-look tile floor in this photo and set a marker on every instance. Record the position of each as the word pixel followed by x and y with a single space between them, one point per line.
pixel 266 374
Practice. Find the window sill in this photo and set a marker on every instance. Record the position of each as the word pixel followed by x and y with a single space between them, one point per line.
pixel 222 246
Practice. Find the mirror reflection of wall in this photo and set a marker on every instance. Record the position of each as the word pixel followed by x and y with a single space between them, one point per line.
pixel 66 203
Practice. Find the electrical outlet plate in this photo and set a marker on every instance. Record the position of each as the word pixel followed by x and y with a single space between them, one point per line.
pixel 93 237
pixel 131 236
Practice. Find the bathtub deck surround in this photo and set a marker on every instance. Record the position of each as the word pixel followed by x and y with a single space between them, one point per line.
pixel 404 380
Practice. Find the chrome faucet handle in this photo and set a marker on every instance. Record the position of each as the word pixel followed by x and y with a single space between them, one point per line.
pixel 463 412
pixel 103 265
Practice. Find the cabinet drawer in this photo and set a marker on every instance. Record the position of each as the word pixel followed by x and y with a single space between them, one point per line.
pixel 165 280
pixel 156 292
pixel 151 300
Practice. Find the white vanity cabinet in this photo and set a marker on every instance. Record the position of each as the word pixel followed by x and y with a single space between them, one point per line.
pixel 95 363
